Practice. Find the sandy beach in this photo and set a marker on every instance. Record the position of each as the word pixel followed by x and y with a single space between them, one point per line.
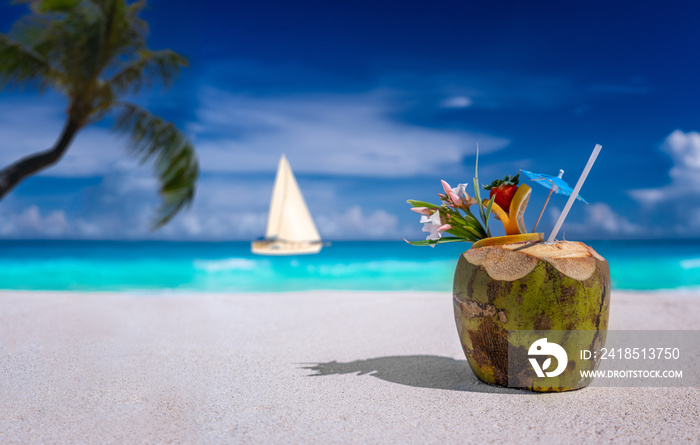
pixel 312 367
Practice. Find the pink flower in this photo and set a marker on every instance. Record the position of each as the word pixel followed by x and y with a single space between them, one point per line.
pixel 446 186
pixel 423 210
pixel 455 199
pixel 458 195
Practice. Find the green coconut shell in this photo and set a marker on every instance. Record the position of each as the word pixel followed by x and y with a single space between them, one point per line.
pixel 557 287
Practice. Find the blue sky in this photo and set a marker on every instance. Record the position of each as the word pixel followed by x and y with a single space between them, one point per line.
pixel 375 102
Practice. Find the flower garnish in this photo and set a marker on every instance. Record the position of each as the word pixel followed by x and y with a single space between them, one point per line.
pixel 434 226
pixel 453 215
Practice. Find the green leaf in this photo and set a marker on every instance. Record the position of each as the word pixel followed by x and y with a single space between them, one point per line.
pixel 161 65
pixel 476 234
pixel 477 186
pixel 21 66
pixel 433 242
pixel 471 221
pixel 478 198
pixel 462 228
pixel 46 6
pixel 55 5
pixel 460 231
pixel 456 218
pixel 488 211
pixel 176 165
pixel 415 203
pixel 507 180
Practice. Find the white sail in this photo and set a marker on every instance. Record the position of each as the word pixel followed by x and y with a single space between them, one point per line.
pixel 289 217
pixel 290 228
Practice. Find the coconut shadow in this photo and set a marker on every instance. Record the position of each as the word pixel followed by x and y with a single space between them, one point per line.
pixel 420 371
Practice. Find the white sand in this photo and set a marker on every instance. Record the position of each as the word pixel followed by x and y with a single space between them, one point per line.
pixel 111 368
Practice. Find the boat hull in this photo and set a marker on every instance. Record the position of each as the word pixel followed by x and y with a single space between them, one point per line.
pixel 284 248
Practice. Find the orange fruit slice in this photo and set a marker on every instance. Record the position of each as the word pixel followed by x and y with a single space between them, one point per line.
pixel 517 209
pixel 513 221
pixel 508 239
pixel 501 214
pixel 510 224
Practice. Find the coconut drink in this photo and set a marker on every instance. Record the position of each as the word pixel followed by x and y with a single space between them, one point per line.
pixel 523 307
pixel 564 286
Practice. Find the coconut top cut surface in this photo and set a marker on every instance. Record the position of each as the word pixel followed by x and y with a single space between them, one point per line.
pixel 511 262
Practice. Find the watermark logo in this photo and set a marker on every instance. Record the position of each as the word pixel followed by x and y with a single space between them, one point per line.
pixel 542 347
pixel 566 359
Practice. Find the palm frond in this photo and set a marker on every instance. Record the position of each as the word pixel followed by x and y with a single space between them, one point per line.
pixel 95 52
pixel 163 65
pixel 20 66
pixel 138 25
pixel 80 35
pixel 69 35
pixel 174 157
pixel 47 6
pixel 103 99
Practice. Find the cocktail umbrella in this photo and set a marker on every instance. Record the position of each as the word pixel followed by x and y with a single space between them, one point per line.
pixel 555 184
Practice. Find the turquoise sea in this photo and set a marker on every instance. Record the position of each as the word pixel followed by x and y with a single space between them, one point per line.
pixel 230 267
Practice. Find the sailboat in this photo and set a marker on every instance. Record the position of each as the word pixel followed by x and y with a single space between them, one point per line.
pixel 290 228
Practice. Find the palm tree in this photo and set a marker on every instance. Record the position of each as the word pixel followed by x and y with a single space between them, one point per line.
pixel 94 52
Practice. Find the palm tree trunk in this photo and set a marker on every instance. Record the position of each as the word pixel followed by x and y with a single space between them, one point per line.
pixel 14 174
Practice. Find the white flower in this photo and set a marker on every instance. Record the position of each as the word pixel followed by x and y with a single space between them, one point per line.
pixel 460 190
pixel 432 225
pixel 457 196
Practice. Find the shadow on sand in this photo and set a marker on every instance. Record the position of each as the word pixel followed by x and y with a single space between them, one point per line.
pixel 420 371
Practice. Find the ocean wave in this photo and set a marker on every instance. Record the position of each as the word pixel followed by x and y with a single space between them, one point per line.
pixel 226 264
pixel 690 264
pixel 230 267
pixel 386 268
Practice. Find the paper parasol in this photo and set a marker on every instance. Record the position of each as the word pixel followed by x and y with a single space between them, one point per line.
pixel 555 184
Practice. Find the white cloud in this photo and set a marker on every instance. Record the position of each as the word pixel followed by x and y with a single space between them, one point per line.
pixel 32 125
pixel 123 206
pixel 600 221
pixel 327 134
pixel 195 224
pixel 237 138
pixel 693 220
pixel 650 197
pixel 600 216
pixel 237 209
pixel 31 222
pixel 456 102
pixel 224 208
pixel 355 223
pixel 684 150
